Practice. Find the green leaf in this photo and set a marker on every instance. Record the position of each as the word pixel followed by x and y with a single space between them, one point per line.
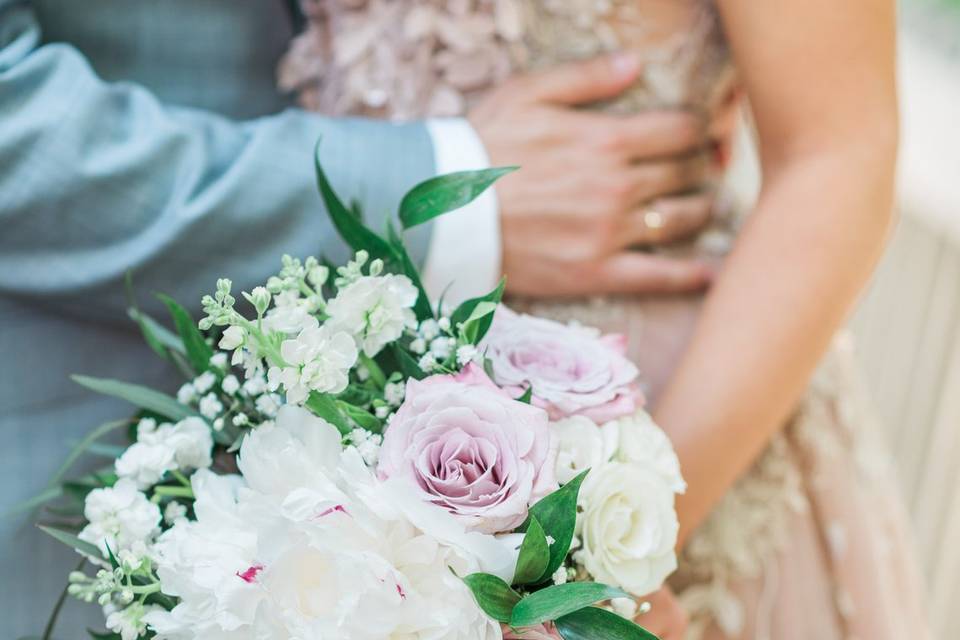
pixel 104 635
pixel 198 351
pixel 408 366
pixel 527 396
pixel 559 600
pixel 422 307
pixel 481 316
pixel 445 193
pixel 534 555
pixel 351 230
pixel 464 312
pixel 159 403
pixel 73 541
pixel 48 494
pixel 557 513
pixel 592 623
pixel 363 418
pixel 325 406
pixel 493 595
pixel 84 445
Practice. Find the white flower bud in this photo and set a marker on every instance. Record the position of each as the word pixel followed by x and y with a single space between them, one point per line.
pixel 230 384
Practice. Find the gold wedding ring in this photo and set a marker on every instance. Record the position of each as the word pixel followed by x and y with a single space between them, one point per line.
pixel 653 219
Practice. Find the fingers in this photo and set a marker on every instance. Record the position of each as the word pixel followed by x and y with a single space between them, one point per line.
pixel 653 134
pixel 634 272
pixel 667 220
pixel 653 180
pixel 582 82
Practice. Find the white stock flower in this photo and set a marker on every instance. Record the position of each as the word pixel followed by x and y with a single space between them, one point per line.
pixel 641 441
pixel 119 516
pixel 232 338
pixel 169 447
pixel 581 445
pixel 230 384
pixel 374 309
pixel 318 359
pixel 128 622
pixel 309 544
pixel 628 527
pixel 290 314
pixel 219 360
pixel 186 394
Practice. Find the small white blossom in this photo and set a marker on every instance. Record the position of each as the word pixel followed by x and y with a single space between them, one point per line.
pixel 218 424
pixel 466 354
pixel 268 404
pixel 418 345
pixel 375 310
pixel 429 329
pixel 382 411
pixel 241 420
pixel 230 384
pixel 444 324
pixel 204 382
pixel 560 575
pixel 624 607
pixel 186 394
pixel 290 314
pixel 219 360
pixel 393 393
pixel 232 338
pixel 173 512
pixel 145 464
pixel 428 363
pixel 210 406
pixel 255 385
pixel 442 347
pixel 363 374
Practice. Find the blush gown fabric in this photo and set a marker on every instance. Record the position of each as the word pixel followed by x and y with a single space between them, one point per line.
pixel 811 542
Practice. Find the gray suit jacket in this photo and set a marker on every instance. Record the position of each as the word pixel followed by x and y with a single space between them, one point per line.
pixel 144 135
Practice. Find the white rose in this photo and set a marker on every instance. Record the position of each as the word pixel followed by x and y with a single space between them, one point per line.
pixel 641 441
pixel 581 445
pixel 628 527
pixel 119 516
pixel 375 310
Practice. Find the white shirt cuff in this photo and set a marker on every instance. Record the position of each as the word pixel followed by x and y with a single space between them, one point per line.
pixel 463 257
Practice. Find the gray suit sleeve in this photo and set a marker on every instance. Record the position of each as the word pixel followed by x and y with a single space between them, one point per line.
pixel 97 179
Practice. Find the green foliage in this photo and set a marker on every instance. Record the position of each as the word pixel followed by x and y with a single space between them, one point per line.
pixel 325 406
pixel 534 555
pixel 462 314
pixel 363 418
pixel 493 595
pixel 559 600
pixel 422 307
pixel 155 401
pixel 198 351
pixel 527 396
pixel 557 513
pixel 592 623
pixel 442 194
pixel 72 541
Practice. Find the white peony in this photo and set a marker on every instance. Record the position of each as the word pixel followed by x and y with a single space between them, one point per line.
pixel 375 310
pixel 310 544
pixel 119 516
pixel 581 445
pixel 318 359
pixel 641 441
pixel 628 527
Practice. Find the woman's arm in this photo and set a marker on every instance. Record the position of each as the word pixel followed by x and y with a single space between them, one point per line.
pixel 820 77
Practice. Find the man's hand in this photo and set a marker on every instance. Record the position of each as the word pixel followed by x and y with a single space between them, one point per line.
pixel 592 184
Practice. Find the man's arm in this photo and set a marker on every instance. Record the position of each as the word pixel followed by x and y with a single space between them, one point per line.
pixel 98 178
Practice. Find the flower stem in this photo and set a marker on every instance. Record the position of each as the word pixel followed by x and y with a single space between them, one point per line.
pixel 176 492
pixel 376 373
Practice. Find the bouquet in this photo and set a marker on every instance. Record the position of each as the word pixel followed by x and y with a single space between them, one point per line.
pixel 348 460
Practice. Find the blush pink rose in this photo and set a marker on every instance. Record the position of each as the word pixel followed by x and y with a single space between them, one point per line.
pixel 471 449
pixel 539 632
pixel 572 370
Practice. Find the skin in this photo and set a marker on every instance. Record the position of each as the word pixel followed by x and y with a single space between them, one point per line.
pixel 828 140
pixel 567 231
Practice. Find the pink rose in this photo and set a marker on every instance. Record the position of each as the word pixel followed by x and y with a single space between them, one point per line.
pixel 572 370
pixel 539 632
pixel 470 448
